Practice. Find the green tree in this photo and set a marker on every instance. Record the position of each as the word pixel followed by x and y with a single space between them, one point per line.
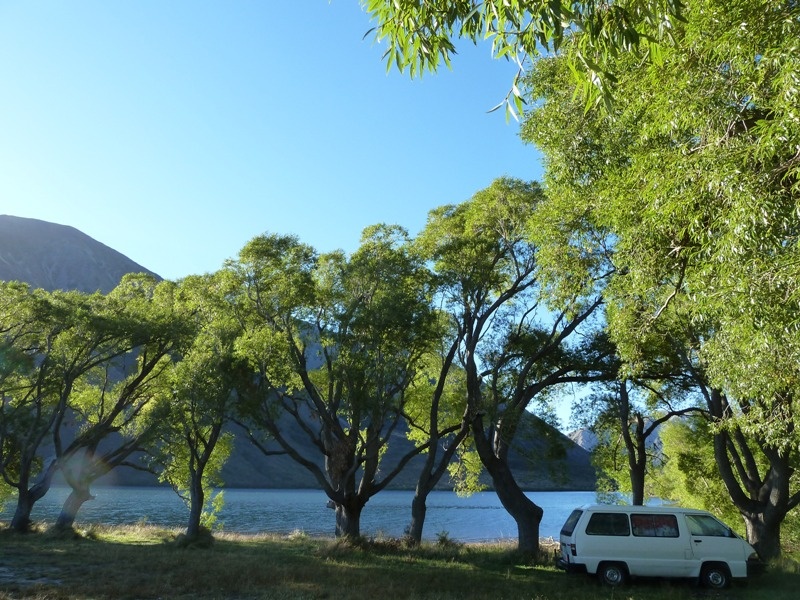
pixel 627 413
pixel 19 420
pixel 110 402
pixel 511 347
pixel 627 419
pixel 77 370
pixel 335 342
pixel 692 174
pixel 420 36
pixel 198 400
pixel 59 337
pixel 434 410
pixel 689 474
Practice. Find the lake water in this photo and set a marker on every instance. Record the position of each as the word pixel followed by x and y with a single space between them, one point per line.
pixel 477 518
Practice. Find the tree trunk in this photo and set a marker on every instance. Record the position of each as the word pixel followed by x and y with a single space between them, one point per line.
pixel 522 509
pixel 21 521
pixel 637 484
pixel 348 519
pixel 419 509
pixel 430 475
pixel 340 461
pixel 196 501
pixel 764 537
pixel 764 501
pixel 73 503
pixel 425 483
pixel 526 513
pixel 635 447
pixel 26 498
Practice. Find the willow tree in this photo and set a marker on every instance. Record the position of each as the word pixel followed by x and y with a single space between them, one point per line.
pixel 628 412
pixel 434 411
pixel 693 174
pixel 197 399
pixel 60 339
pixel 421 36
pixel 512 346
pixel 29 403
pixel 110 403
pixel 627 418
pixel 335 342
pixel 46 330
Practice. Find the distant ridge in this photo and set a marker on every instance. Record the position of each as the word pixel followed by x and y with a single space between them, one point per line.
pixel 58 257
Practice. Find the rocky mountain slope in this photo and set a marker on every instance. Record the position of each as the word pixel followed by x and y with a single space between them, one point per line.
pixel 51 257
pixel 54 256
pixel 584 438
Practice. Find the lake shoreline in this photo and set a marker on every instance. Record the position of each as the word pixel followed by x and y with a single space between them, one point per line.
pixel 89 529
pixel 477 518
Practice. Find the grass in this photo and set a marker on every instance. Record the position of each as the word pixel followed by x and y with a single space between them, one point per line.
pixel 147 562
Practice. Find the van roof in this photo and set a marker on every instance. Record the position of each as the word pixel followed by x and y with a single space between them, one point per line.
pixel 641 509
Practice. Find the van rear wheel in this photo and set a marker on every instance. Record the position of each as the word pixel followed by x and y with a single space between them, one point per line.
pixel 715 576
pixel 612 574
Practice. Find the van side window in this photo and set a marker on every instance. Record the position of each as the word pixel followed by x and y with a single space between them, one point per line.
pixel 707 525
pixel 608 524
pixel 655 525
pixel 572 520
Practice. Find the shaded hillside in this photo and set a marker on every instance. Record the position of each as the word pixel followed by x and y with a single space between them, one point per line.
pixel 53 257
pixel 542 458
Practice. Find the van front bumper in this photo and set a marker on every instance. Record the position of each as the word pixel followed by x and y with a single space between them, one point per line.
pixel 755 566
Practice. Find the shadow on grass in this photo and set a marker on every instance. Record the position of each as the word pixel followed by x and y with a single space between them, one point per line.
pixel 146 562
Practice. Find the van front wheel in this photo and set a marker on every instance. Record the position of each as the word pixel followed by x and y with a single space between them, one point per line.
pixel 715 576
pixel 612 574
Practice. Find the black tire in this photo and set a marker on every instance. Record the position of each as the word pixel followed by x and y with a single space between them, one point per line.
pixel 612 574
pixel 715 576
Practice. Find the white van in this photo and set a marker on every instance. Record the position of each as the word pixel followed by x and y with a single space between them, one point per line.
pixel 616 542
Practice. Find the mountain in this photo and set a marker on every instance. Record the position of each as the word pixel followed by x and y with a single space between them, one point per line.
pixel 588 440
pixel 541 458
pixel 53 256
pixel 584 438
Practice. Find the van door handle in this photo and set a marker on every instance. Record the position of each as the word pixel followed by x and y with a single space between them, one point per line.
pixel 697 541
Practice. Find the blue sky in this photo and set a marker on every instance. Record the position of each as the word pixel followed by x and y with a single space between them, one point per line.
pixel 176 131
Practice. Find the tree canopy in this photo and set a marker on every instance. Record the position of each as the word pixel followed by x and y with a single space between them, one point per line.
pixel 689 183
pixel 334 343
pixel 420 36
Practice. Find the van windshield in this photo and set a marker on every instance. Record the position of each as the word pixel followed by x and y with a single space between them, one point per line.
pixel 707 525
pixel 572 520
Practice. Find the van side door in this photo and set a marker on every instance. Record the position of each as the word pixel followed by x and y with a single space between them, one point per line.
pixel 662 547
pixel 712 540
